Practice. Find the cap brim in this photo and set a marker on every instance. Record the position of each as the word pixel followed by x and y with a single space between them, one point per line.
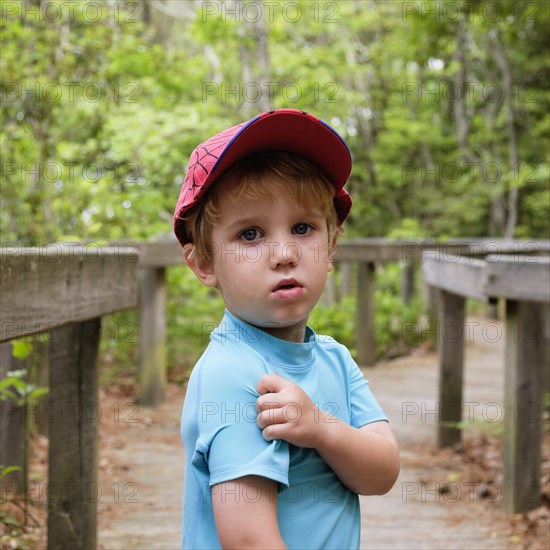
pixel 294 132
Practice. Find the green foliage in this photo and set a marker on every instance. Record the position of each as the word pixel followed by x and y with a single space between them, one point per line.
pixel 119 347
pixel 21 348
pixel 336 320
pixel 14 386
pixel 5 470
pixel 99 119
pixel 395 321
pixel 193 311
pixel 409 228
pixel 13 534
pixel 480 425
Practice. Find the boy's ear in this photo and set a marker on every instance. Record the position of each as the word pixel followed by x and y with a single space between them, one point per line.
pixel 203 270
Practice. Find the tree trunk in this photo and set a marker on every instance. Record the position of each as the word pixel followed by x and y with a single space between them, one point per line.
pixel 501 60
pixel 255 65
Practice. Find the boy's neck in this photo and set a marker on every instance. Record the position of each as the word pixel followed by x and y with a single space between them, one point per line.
pixel 294 333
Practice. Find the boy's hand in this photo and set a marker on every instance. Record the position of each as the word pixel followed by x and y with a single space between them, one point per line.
pixel 286 412
pixel 366 459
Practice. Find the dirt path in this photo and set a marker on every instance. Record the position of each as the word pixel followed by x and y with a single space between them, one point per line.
pixel 141 465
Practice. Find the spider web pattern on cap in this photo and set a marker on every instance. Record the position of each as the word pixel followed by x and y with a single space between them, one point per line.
pixel 203 159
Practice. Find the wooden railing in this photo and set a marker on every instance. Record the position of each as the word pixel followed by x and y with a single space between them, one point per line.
pixel 525 285
pixel 65 290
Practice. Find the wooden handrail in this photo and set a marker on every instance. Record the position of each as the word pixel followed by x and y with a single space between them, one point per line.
pixel 45 288
pixel 65 290
pixel 524 282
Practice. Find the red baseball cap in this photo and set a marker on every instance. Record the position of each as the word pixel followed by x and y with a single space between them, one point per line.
pixel 287 130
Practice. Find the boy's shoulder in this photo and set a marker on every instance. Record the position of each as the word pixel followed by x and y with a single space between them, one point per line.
pixel 329 343
pixel 229 358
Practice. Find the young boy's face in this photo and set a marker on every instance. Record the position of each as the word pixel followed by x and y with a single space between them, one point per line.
pixel 271 261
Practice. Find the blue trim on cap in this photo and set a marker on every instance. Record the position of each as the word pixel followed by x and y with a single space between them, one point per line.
pixel 336 134
pixel 228 146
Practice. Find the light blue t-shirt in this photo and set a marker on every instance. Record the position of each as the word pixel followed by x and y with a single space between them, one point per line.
pixel 223 442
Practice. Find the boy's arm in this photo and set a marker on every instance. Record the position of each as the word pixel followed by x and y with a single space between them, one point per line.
pixel 366 459
pixel 245 510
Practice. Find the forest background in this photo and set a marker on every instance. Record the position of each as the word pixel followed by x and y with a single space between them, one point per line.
pixel 444 105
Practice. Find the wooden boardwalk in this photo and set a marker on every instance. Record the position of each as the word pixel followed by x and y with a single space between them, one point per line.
pixel 414 515
pixel 148 459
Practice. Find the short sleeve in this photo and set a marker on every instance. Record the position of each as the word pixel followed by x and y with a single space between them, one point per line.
pixel 364 407
pixel 229 443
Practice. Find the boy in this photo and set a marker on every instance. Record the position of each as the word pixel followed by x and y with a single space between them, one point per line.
pixel 280 428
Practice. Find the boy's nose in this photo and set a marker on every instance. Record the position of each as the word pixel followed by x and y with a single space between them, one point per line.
pixel 284 253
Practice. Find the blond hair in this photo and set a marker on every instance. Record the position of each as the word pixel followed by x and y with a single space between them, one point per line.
pixel 268 175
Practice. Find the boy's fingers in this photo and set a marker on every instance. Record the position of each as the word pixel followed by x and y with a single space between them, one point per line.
pixel 266 402
pixel 269 417
pixel 270 383
pixel 274 431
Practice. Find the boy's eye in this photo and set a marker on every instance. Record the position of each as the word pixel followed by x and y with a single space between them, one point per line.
pixel 250 234
pixel 301 229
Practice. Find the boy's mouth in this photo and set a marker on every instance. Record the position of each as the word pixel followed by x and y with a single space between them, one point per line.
pixel 287 283
pixel 288 288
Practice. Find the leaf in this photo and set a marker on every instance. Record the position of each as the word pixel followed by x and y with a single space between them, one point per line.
pixel 8 394
pixel 8 520
pixel 12 382
pixel 9 381
pixel 21 349
pixel 8 470
pixel 37 393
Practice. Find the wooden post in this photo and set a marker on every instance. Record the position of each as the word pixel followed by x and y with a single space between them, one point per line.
pixel 450 333
pixel 366 278
pixel 12 429
pixel 434 295
pixel 545 345
pixel 346 279
pixel 407 281
pixel 152 328
pixel 73 490
pixel 525 355
pixel 492 308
